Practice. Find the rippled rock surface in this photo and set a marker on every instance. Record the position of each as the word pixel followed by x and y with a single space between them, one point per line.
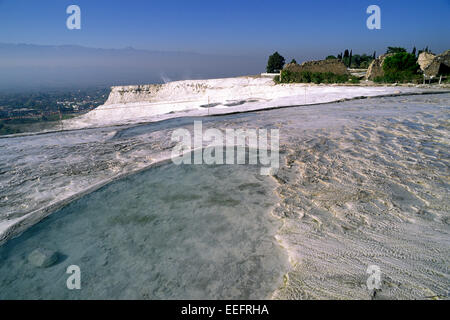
pixel 362 183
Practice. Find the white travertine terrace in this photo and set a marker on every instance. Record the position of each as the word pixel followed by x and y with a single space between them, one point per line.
pixel 148 103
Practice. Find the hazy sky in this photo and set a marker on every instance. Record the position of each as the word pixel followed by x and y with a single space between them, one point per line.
pixel 296 28
pixel 233 37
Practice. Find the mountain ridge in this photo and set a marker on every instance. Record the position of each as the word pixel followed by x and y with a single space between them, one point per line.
pixel 24 66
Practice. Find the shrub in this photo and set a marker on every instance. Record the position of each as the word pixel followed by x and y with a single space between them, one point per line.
pixel 354 79
pixel 401 62
pixel 401 67
pixel 400 77
pixel 317 77
pixel 361 61
pixel 307 76
pixel 295 77
pixel 364 64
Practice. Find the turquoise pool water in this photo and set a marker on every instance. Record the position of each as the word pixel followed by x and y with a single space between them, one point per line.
pixel 180 232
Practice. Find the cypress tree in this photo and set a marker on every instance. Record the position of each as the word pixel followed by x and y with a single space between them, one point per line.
pixel 275 63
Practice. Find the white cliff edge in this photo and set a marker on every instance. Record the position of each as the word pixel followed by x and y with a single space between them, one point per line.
pixel 154 102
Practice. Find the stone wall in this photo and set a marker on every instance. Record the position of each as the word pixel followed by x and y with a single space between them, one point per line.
pixel 331 65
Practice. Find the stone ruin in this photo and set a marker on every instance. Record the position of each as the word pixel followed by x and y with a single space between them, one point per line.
pixel 331 65
pixel 432 65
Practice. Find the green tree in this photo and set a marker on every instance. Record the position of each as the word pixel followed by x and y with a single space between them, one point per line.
pixel 401 66
pixel 395 50
pixel 330 57
pixel 346 53
pixel 414 51
pixel 401 61
pixel 275 63
pixel 364 64
pixel 293 61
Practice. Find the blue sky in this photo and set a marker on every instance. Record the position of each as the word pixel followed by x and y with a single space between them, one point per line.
pixel 300 29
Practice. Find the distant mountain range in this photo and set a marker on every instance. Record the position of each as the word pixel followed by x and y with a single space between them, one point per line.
pixel 28 66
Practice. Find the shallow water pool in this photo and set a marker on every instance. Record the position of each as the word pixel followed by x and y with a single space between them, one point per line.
pixel 178 232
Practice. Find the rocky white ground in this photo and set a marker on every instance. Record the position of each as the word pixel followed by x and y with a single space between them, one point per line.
pixel 134 104
pixel 363 182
